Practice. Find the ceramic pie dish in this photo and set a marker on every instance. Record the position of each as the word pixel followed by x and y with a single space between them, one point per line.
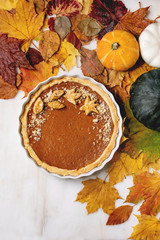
pixel 70 126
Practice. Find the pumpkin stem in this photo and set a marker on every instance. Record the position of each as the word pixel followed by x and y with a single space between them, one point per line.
pixel 115 46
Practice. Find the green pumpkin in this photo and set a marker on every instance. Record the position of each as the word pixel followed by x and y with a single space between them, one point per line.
pixel 145 99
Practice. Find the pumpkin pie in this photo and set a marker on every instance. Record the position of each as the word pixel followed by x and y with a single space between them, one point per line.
pixel 69 126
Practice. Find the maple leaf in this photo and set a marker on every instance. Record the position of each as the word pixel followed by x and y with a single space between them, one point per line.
pixel 148 228
pixel 67 8
pixel 98 194
pixel 11 57
pixel 140 139
pixel 122 165
pixel 24 24
pixel 146 187
pixel 108 13
pixel 7 90
pixel 34 56
pixel 90 64
pixel 120 215
pixel 72 38
pixel 31 78
pixel 8 5
pixel 135 22
pixel 49 44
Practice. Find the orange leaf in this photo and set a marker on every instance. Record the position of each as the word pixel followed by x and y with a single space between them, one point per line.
pixel 120 215
pixel 134 22
pixel 146 187
pixel 148 228
pixel 98 194
pixel 31 78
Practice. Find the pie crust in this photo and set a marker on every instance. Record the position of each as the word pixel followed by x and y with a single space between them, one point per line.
pixel 85 83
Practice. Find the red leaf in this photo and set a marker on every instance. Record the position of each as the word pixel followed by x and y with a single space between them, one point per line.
pixel 51 23
pixel 72 38
pixel 67 8
pixel 34 56
pixel 108 13
pixel 11 57
pixel 120 215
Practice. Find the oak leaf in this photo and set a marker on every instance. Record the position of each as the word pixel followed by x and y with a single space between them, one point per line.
pixel 108 13
pixel 49 44
pixel 122 165
pixel 11 57
pixel 120 215
pixel 31 78
pixel 7 90
pixel 67 8
pixel 146 187
pixel 8 5
pixel 148 228
pixel 98 194
pixel 24 24
pixel 90 64
pixel 135 22
pixel 140 139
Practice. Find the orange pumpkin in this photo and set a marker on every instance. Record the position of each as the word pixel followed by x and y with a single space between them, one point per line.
pixel 118 50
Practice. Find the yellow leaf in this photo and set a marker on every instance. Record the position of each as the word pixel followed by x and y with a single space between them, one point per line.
pixel 59 57
pixel 86 6
pixel 148 228
pixel 98 194
pixel 8 4
pixel 72 52
pixel 24 24
pixel 123 165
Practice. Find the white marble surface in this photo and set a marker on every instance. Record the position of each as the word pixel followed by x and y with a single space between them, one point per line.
pixel 37 206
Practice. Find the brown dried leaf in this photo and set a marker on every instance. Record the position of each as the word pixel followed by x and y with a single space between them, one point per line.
pixel 91 65
pixel 120 215
pixel 135 22
pixel 49 45
pixel 115 78
pixel 89 27
pixel 34 56
pixel 75 21
pixel 7 90
pixel 62 26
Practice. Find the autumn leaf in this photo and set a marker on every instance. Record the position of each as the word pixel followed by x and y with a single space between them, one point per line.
pixel 31 78
pixel 62 26
pixel 146 187
pixel 115 78
pixel 148 228
pixel 135 22
pixel 39 4
pixel 58 58
pixel 91 65
pixel 8 4
pixel 122 165
pixel 49 44
pixel 140 139
pixel 67 8
pixel 72 52
pixel 11 57
pixel 98 194
pixel 7 90
pixel 34 56
pixel 108 13
pixel 24 24
pixel 89 27
pixel 75 22
pixel 120 215
pixel 72 38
